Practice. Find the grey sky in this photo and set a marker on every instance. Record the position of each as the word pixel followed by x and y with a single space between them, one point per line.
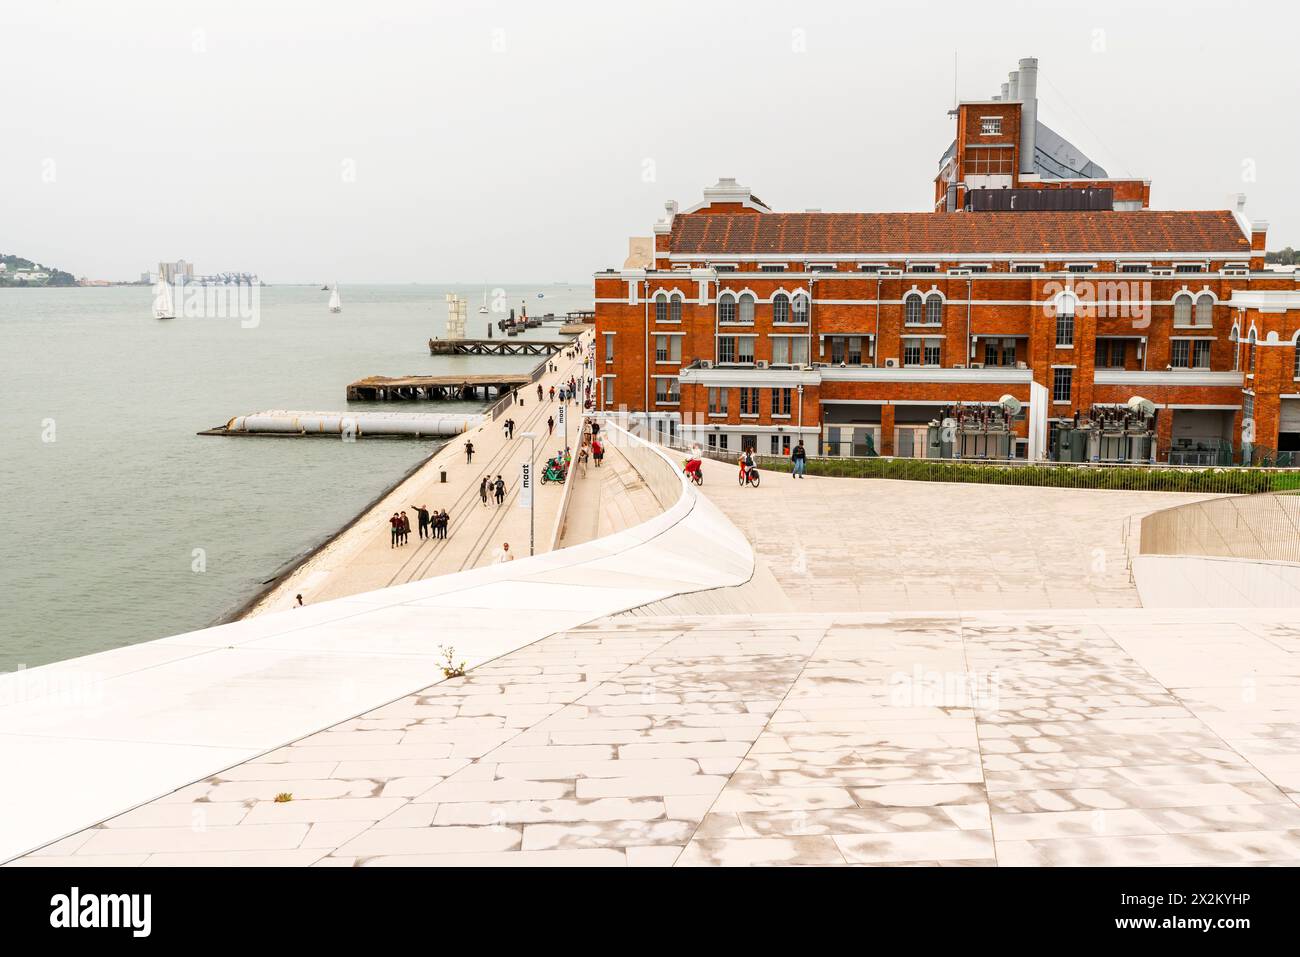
pixel 499 141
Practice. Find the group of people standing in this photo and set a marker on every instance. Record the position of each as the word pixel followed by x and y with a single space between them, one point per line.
pixel 490 488
pixel 432 524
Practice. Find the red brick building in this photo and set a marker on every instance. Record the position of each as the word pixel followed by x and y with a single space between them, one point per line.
pixel 1042 306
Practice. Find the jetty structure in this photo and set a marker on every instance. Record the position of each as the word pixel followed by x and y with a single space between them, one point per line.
pixel 495 347
pixel 466 388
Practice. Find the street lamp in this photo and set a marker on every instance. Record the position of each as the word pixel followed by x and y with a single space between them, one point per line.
pixel 529 479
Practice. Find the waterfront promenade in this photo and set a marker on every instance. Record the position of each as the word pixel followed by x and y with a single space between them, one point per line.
pixel 362 559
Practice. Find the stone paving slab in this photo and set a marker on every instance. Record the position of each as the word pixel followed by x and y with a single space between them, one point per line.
pixel 848 545
pixel 961 739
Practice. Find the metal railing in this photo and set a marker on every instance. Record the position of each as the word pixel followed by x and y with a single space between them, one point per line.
pixel 1265 526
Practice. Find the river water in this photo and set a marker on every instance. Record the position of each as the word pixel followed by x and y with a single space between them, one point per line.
pixel 119 524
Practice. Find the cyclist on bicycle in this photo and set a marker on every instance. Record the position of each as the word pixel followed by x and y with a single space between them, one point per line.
pixel 746 462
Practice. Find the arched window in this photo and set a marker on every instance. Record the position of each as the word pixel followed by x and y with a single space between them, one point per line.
pixel 912 309
pixel 1234 336
pixel 661 308
pixel 1182 310
pixel 746 307
pixel 726 307
pixel 800 306
pixel 1250 353
pixel 934 309
pixel 1204 309
pixel 780 307
pixel 675 307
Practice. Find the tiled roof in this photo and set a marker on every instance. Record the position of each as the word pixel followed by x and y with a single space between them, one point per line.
pixel 1029 233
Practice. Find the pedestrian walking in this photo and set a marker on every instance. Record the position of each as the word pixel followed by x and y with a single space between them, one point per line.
pixel 552 393
pixel 539 392
pixel 443 521
pixel 799 459
pixel 404 528
pixel 469 452
pixel 395 524
pixel 422 518
pixel 597 452
pixel 550 425
pixel 483 490
pixel 500 490
pixel 503 554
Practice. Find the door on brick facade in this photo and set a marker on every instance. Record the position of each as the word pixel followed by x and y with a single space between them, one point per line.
pixel 910 441
pixel 1288 426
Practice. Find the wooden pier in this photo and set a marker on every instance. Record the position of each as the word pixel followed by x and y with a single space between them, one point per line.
pixel 468 388
pixel 495 347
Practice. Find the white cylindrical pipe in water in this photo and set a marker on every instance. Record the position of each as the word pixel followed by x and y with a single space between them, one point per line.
pixel 361 423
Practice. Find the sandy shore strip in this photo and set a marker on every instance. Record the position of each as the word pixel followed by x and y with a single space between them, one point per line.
pixel 360 557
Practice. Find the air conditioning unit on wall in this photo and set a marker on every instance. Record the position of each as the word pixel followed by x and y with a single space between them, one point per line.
pixel 706 364
pixel 760 364
pixel 891 363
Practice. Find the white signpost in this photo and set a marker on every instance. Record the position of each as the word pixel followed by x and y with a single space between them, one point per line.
pixel 526 485
pixel 526 493
pixel 564 421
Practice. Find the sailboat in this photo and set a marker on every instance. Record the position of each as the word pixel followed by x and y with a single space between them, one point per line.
pixel 163 306
pixel 482 310
pixel 336 304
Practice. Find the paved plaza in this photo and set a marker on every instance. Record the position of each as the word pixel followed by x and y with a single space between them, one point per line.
pixel 1013 706
pixel 882 545
pixel 1095 737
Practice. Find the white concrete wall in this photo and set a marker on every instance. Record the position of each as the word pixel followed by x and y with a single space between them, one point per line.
pixel 1193 581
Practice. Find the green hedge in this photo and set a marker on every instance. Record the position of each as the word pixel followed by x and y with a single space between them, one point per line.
pixel 1239 481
